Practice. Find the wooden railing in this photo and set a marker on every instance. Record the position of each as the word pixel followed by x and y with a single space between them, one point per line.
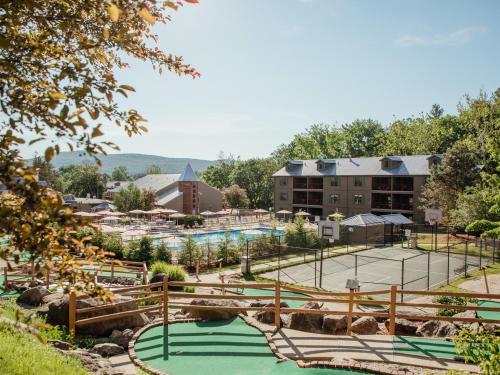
pixel 164 299
pixel 24 272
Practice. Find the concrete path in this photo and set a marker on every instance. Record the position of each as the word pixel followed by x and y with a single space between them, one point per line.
pixel 123 363
pixel 378 348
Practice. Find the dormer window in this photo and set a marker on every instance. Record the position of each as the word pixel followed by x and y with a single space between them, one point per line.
pixel 323 164
pixel 434 161
pixel 385 164
pixel 292 164
pixel 390 162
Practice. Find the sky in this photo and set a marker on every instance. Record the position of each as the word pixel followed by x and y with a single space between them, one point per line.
pixel 272 68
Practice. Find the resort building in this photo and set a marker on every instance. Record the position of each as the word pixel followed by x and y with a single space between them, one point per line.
pixel 181 192
pixel 378 185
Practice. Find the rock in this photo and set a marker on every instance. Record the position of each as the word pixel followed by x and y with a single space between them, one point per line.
pixel 62 345
pixel 107 349
pixel 121 338
pixel 52 297
pixel 58 315
pixel 437 328
pixel 268 316
pixel 93 362
pixel 491 327
pixel 365 326
pixel 258 304
pixel 214 314
pixel 334 323
pixel 118 280
pixel 307 322
pixel 464 314
pixel 403 327
pixel 33 296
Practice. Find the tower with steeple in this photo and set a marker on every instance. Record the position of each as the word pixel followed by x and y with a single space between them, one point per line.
pixel 189 186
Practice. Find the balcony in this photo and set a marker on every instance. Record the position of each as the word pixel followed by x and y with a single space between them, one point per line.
pixel 381 201
pixel 403 206
pixel 315 186
pixel 402 202
pixel 381 183
pixel 402 184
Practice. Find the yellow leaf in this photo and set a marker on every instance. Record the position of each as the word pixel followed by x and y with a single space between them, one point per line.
pixel 146 16
pixel 105 33
pixel 114 12
pixel 143 128
pixel 57 95
pixel 96 132
pixel 49 153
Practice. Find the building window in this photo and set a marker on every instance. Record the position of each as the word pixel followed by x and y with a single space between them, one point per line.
pixel 359 181
pixel 334 199
pixel 283 196
pixel 385 164
pixel 283 181
pixel 357 199
pixel 321 166
pixel 335 181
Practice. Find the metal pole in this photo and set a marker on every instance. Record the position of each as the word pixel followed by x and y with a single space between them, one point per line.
pixel 428 270
pixel 315 271
pixel 465 258
pixel 279 262
pixel 356 266
pixel 436 237
pixel 448 269
pixel 402 277
pixel 321 269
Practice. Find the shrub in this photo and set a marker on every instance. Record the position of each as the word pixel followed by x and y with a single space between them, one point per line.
pixel 449 300
pixel 479 226
pixel 114 245
pixel 173 273
pixel 296 235
pixel 163 253
pixel 482 349
pixel 142 250
pixel 189 289
pixel 159 267
pixel 189 252
pixel 132 249
pixel 227 250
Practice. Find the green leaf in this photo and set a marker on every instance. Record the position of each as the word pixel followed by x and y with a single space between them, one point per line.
pixel 127 87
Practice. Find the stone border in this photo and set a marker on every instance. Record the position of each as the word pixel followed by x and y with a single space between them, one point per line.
pixel 345 364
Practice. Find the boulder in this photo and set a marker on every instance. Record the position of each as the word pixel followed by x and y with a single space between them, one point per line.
pixel 437 328
pixel 307 322
pixel 403 327
pixel 365 326
pixel 334 323
pixel 118 280
pixel 107 349
pixel 52 297
pixel 62 345
pixel 121 338
pixel 59 310
pixel 268 316
pixel 33 296
pixel 464 314
pixel 93 362
pixel 258 304
pixel 214 314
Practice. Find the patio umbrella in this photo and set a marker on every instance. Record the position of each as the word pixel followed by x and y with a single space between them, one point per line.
pixel 107 229
pixel 284 213
pixel 136 212
pixel 223 212
pixel 110 218
pixel 177 216
pixel 207 213
pixel 168 211
pixel 86 214
pixel 302 213
pixel 337 216
pixel 260 211
pixel 252 232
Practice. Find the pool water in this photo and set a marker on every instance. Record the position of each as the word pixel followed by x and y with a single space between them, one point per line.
pixel 218 236
pixel 229 347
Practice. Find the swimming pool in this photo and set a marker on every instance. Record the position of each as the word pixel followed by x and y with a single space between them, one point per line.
pixel 218 236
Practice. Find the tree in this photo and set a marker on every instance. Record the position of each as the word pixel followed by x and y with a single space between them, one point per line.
pixel 120 174
pixel 148 199
pixel 227 250
pixel 457 171
pixel 219 175
pixel 154 169
pixel 255 176
pixel 480 348
pixel 436 111
pixel 83 180
pixel 57 79
pixel 362 138
pixel 129 198
pixel 235 197
pixel 471 205
pixel 46 172
pixel 189 252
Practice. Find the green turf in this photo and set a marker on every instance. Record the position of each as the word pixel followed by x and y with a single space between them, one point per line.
pixel 424 347
pixel 488 314
pixel 268 292
pixel 228 347
pixel 4 294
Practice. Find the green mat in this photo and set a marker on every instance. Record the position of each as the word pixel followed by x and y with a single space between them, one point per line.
pixel 488 314
pixel 424 347
pixel 267 292
pixel 228 347
pixel 11 294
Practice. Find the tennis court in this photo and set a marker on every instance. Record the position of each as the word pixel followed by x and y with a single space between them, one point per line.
pixel 377 268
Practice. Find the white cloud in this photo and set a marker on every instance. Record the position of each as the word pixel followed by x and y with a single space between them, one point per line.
pixel 454 38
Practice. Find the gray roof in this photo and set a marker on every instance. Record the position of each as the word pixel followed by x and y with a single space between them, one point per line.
pixel 415 165
pixel 396 219
pixel 156 182
pixel 363 220
pixel 166 196
pixel 188 174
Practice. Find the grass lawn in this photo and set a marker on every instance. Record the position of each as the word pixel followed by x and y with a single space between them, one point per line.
pixel 24 354
pixel 454 286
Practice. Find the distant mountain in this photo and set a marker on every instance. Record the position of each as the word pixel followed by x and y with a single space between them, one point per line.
pixel 135 163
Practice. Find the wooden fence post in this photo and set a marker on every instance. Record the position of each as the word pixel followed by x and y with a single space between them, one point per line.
pixel 392 310
pixel 72 313
pixel 349 314
pixel 277 305
pixel 165 300
pixel 144 273
pixel 5 279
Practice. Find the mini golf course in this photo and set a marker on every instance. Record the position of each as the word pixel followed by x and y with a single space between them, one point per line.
pixel 268 292
pixel 488 314
pixel 229 347
pixel 424 347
